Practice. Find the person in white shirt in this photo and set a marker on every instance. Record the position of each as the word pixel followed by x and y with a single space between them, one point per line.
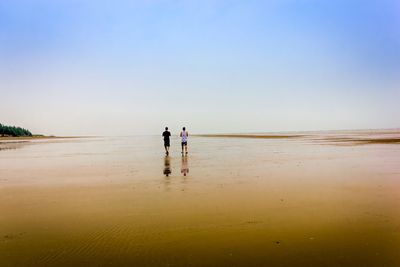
pixel 184 135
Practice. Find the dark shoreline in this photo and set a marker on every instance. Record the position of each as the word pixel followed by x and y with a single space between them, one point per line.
pixel 332 140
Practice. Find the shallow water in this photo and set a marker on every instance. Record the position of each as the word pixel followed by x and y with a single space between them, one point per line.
pixel 231 202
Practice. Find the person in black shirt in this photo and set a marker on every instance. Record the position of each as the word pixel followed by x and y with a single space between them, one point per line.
pixel 166 134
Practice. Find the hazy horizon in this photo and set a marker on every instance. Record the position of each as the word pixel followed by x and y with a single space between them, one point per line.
pixel 130 68
pixel 176 132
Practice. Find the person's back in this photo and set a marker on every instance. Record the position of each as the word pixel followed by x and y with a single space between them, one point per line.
pixel 166 134
pixel 184 135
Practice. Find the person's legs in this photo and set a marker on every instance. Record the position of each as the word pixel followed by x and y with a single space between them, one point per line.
pixel 183 144
pixel 166 146
pixel 186 149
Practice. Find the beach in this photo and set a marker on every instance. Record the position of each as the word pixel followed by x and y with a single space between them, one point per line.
pixel 283 199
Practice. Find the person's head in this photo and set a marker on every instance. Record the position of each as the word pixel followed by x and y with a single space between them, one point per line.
pixel 166 128
pixel 184 128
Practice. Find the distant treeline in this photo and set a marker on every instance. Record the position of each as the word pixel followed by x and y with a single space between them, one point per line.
pixel 13 131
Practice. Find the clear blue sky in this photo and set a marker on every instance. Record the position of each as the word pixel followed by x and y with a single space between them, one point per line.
pixel 76 67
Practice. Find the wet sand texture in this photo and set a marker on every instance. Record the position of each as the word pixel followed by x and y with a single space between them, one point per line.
pixel 231 202
pixel 264 136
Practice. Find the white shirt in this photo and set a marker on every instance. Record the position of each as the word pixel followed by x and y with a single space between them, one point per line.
pixel 184 136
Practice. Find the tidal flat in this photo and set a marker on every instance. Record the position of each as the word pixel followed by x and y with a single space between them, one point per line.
pixel 303 199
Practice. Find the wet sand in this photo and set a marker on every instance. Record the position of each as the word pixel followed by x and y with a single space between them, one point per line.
pixel 303 201
pixel 36 137
pixel 263 136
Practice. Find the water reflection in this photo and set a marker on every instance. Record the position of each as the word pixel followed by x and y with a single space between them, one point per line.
pixel 167 166
pixel 167 171
pixel 11 145
pixel 184 165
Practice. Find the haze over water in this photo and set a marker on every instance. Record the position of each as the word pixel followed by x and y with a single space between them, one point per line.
pixel 124 67
pixel 118 201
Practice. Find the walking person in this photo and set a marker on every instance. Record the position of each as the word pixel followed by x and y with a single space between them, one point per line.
pixel 166 134
pixel 184 134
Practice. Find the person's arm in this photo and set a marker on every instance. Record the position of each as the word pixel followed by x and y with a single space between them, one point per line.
pixel 187 134
pixel 180 134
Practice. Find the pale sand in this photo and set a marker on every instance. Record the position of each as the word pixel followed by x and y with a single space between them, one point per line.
pixel 37 137
pixel 263 136
pixel 243 202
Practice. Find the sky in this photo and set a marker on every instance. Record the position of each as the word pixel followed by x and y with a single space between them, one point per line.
pixel 80 67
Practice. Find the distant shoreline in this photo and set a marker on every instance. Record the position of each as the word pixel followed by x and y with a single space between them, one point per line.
pixel 355 140
pixel 264 136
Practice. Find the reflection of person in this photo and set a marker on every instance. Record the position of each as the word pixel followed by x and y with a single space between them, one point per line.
pixel 166 134
pixel 184 134
pixel 167 166
pixel 184 166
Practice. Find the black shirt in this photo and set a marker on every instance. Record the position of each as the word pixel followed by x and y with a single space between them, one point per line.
pixel 166 135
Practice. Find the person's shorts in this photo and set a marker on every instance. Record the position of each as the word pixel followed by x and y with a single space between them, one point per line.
pixel 166 142
pixel 184 143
